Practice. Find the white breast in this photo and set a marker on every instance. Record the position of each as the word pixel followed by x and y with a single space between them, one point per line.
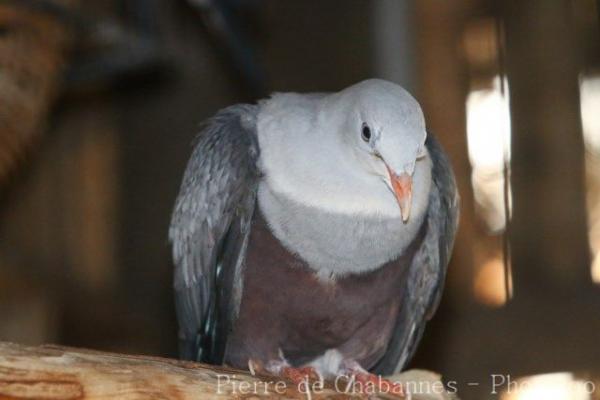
pixel 339 243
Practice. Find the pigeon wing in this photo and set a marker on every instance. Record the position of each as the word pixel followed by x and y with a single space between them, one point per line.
pixel 209 231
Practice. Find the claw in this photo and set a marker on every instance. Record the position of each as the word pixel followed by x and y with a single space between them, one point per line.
pixel 253 366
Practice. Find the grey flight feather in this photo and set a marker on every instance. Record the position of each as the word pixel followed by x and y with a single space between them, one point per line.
pixel 209 230
pixel 427 272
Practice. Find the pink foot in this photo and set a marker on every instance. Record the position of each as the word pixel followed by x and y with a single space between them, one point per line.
pixel 372 384
pixel 381 385
pixel 299 375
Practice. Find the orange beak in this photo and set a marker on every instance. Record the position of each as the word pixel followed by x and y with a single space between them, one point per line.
pixel 402 185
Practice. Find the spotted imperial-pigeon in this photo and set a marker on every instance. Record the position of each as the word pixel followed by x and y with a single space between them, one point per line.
pixel 313 231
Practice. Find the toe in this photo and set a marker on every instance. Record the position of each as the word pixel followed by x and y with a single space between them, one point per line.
pixel 299 375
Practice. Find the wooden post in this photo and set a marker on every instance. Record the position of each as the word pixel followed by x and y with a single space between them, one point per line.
pixel 548 233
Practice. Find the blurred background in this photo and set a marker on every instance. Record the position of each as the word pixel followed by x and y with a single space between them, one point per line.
pixel 100 101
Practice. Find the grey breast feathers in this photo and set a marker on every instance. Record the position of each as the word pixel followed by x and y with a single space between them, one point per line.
pixel 209 230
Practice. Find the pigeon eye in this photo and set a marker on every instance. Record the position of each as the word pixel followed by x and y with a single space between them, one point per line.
pixel 366 133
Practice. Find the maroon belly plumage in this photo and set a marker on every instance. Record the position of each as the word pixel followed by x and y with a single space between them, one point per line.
pixel 286 308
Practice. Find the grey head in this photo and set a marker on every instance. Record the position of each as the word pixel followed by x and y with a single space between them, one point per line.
pixel 382 129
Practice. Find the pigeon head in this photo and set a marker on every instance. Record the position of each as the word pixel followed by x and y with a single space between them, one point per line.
pixel 385 133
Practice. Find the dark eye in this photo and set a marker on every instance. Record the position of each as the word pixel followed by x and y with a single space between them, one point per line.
pixel 366 133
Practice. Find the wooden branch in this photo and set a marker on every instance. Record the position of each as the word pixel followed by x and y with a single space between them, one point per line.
pixel 59 373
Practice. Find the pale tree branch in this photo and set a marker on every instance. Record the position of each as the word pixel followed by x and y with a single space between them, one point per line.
pixel 60 373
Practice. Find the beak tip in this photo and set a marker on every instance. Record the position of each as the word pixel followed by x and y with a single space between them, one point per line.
pixel 402 187
pixel 405 209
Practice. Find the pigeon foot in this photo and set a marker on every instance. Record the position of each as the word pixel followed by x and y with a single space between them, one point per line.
pixel 361 380
pixel 300 375
pixel 297 375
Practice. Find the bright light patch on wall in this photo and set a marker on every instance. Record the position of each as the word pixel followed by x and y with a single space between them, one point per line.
pixel 488 136
pixel 596 268
pixel 590 111
pixel 592 166
pixel 489 287
pixel 590 118
pixel 557 386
